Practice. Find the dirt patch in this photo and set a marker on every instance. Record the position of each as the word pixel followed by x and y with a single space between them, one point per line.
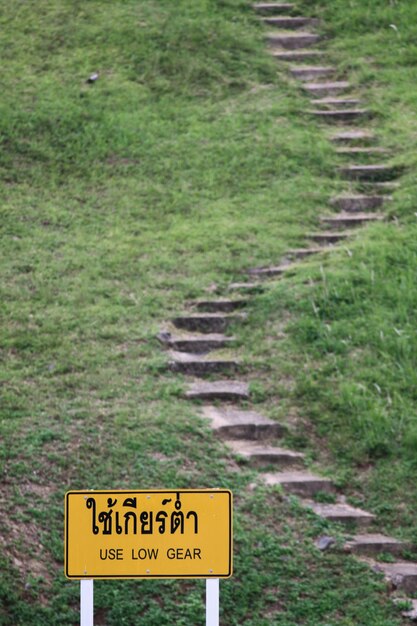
pixel 160 457
pixel 41 491
pixel 21 539
pixel 117 160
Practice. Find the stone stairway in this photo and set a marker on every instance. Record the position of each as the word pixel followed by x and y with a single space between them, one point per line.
pixel 196 340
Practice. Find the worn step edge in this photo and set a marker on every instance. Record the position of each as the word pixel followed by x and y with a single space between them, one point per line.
pixel 276 270
pixel 296 55
pixel 339 115
pixel 410 613
pixel 374 186
pixel 227 390
pixel 326 87
pixel 272 7
pixel 349 136
pixel 261 455
pixel 300 253
pixel 230 423
pixel 250 288
pixel 196 365
pixel 291 22
pixel 350 219
pixel 358 203
pixel 299 483
pixel 307 72
pixel 362 151
pixel 402 574
pixel 341 513
pixel 292 41
pixel 373 544
pixel 329 237
pixel 337 102
pixel 372 173
pixel 207 322
pixel 220 305
pixel 195 344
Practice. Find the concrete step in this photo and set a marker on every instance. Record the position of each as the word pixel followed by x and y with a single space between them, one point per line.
pixel 343 220
pixel 265 272
pixel 336 103
pixel 374 544
pixel 369 172
pixel 300 483
pixel 196 344
pixel 258 454
pixel 221 305
pixel 292 41
pixel 401 575
pixel 329 237
pixel 340 115
pixel 359 151
pixel 310 72
pixel 227 390
pixel 353 136
pixel 268 8
pixel 379 187
pixel 342 513
pixel 207 322
pixel 326 88
pixel 291 22
pixel 301 253
pixel 358 203
pixel 249 288
pixel 200 365
pixel 297 55
pixel 230 423
pixel 410 613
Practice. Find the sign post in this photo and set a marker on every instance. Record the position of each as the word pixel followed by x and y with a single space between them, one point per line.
pixel 149 534
pixel 87 602
pixel 212 602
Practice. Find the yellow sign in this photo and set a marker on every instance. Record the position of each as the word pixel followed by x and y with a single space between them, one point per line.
pixel 148 534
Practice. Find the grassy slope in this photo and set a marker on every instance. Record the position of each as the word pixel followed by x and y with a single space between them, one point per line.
pixel 187 161
pixel 351 341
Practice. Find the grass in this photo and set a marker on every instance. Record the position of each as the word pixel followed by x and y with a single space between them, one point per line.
pixel 349 350
pixel 350 318
pixel 186 162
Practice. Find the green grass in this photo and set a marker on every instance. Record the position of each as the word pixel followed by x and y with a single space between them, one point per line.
pixel 188 161
pixel 350 319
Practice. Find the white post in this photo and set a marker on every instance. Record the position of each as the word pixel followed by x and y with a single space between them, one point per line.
pixel 212 602
pixel 86 602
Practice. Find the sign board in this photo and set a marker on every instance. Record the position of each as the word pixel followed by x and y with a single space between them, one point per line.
pixel 148 534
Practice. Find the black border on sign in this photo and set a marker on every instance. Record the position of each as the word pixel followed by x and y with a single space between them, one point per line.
pixel 149 491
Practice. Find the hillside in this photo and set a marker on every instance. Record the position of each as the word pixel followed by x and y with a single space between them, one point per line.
pixel 189 160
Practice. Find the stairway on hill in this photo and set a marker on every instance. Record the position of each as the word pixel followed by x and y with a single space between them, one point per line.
pixel 196 339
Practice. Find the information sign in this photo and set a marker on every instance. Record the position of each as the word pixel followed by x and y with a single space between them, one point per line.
pixel 148 534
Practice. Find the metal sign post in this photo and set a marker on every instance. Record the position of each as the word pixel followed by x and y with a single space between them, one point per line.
pixel 87 603
pixel 212 602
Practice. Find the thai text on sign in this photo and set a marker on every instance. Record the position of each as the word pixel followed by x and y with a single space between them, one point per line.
pixel 148 534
